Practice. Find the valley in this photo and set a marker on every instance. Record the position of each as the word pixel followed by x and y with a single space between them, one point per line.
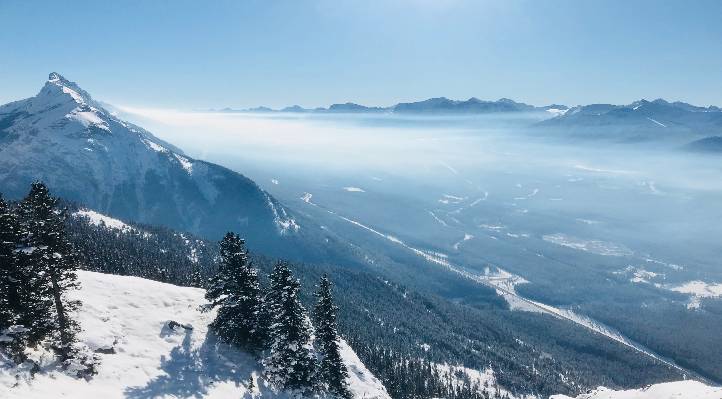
pixel 553 220
pixel 400 199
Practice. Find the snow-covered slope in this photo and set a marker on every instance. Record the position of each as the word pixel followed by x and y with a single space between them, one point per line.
pixel 86 154
pixel 126 320
pixel 669 390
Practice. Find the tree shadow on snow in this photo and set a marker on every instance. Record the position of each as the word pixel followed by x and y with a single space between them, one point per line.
pixel 189 373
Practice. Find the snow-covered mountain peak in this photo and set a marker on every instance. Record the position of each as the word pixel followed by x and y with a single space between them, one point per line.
pixel 86 154
pixel 62 90
pixel 58 79
pixel 62 109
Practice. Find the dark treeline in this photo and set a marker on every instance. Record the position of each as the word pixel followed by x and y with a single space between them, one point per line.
pixel 407 377
pixel 151 252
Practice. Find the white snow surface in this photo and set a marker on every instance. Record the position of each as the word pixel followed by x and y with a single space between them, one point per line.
pixel 306 197
pixel 186 163
pixel 656 122
pixel 467 237
pixel 598 247
pixel 354 189
pixel 89 118
pixel 668 390
pixel 283 221
pixel 151 360
pixel 698 290
pixel 486 379
pixel 98 219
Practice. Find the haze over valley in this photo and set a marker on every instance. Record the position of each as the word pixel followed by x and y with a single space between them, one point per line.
pixel 354 200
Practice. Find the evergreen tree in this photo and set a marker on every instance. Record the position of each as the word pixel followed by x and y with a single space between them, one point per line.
pixel 53 264
pixel 195 279
pixel 9 241
pixel 332 371
pixel 290 363
pixel 13 286
pixel 236 292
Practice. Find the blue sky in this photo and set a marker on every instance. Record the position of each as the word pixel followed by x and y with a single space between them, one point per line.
pixel 198 54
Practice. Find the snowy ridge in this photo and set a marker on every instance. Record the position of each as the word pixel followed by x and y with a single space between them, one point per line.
pixel 126 319
pixel 98 219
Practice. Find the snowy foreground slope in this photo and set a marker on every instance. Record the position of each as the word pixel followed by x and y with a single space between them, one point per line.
pixel 126 318
pixel 669 390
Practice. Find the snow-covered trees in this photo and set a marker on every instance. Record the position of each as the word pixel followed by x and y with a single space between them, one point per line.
pixel 37 269
pixel 54 262
pixel 9 238
pixel 13 286
pixel 276 325
pixel 290 363
pixel 236 292
pixel 332 371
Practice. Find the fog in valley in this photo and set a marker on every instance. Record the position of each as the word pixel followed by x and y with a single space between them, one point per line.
pixel 480 190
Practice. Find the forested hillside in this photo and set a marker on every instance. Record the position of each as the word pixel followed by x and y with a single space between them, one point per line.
pixel 384 319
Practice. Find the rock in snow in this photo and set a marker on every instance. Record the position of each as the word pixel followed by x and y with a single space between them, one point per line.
pixel 126 321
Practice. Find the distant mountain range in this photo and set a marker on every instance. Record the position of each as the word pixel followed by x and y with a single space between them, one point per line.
pixel 86 154
pixel 640 119
pixel 440 105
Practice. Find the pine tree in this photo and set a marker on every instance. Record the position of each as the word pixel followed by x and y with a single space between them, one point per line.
pixel 13 285
pixel 195 279
pixel 332 371
pixel 53 263
pixel 290 363
pixel 9 241
pixel 236 292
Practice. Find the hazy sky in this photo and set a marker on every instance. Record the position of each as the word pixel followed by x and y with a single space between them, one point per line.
pixel 198 54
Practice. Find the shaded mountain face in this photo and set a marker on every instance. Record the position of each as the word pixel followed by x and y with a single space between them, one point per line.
pixel 472 105
pixel 353 108
pixel 641 119
pixel 711 144
pixel 86 154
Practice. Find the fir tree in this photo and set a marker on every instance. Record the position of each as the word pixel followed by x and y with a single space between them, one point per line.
pixel 195 279
pixel 332 371
pixel 290 363
pixel 13 286
pixel 236 292
pixel 9 241
pixel 53 263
